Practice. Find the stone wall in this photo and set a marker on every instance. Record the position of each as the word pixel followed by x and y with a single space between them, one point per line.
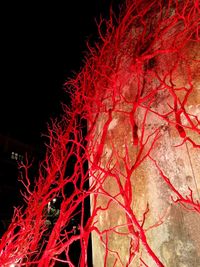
pixel 151 173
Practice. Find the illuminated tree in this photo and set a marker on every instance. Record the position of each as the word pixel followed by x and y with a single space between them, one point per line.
pixel 138 96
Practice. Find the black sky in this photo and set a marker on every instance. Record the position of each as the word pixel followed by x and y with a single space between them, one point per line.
pixel 41 46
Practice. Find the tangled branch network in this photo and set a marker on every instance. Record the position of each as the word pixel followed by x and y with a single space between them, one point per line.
pixel 124 144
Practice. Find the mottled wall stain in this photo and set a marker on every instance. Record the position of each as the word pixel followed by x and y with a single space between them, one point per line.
pixel 176 240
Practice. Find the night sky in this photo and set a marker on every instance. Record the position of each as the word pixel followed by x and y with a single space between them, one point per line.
pixel 42 45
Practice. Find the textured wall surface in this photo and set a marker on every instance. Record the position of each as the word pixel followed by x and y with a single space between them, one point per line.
pixel 172 230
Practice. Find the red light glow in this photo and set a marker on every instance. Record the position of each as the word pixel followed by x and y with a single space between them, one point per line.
pixel 138 94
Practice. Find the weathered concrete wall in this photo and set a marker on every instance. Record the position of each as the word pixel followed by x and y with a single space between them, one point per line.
pixel 173 231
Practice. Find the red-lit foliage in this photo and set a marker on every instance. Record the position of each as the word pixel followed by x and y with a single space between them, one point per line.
pixel 135 68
